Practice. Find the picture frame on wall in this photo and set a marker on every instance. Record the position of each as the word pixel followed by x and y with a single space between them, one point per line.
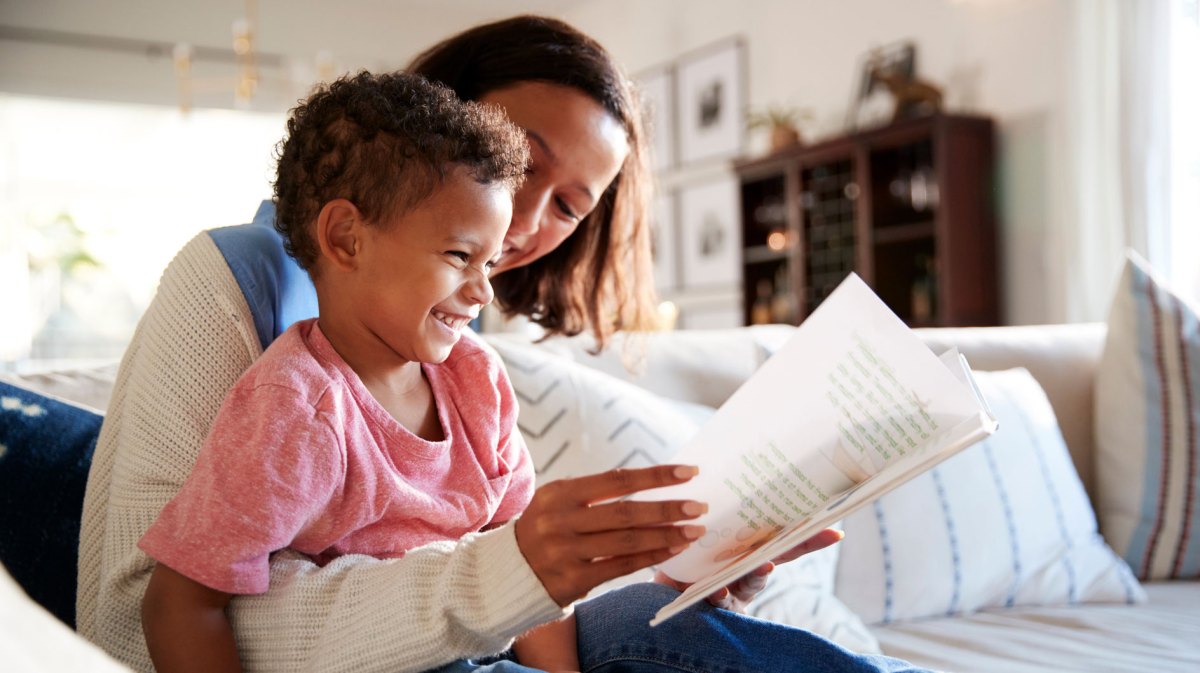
pixel 665 243
pixel 710 244
pixel 657 90
pixel 711 102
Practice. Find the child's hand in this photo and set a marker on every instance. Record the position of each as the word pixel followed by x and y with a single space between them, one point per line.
pixel 737 595
pixel 574 544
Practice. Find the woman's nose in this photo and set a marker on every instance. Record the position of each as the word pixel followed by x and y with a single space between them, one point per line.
pixel 528 208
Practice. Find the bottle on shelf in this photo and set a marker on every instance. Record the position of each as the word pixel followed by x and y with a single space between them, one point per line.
pixel 760 312
pixel 783 304
pixel 923 299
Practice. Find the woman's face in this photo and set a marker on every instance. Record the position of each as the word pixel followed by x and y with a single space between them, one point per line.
pixel 576 149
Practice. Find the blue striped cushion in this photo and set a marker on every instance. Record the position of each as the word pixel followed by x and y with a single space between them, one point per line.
pixel 1147 414
pixel 1004 523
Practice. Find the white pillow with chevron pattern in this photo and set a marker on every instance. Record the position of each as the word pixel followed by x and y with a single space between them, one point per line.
pixel 578 421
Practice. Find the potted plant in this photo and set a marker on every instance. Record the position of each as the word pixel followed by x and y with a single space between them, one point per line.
pixel 782 123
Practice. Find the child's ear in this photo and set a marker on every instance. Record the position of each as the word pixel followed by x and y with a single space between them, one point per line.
pixel 339 233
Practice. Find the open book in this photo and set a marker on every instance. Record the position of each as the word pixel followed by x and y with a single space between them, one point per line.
pixel 852 406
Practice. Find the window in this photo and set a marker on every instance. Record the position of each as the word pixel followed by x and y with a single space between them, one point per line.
pixel 95 199
pixel 1185 148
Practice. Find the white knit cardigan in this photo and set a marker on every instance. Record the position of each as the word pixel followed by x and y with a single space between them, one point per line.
pixel 439 603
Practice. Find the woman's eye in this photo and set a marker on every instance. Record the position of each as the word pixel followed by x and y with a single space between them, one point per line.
pixel 566 210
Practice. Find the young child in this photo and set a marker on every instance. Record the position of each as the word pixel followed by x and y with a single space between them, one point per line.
pixel 376 427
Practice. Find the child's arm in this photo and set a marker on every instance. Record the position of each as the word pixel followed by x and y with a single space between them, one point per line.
pixel 550 647
pixel 185 625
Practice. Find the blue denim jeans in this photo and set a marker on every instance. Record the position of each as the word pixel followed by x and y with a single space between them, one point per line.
pixel 614 637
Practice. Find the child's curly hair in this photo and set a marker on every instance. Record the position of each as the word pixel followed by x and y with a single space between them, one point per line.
pixel 384 142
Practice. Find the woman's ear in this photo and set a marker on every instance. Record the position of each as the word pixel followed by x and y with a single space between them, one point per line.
pixel 339 234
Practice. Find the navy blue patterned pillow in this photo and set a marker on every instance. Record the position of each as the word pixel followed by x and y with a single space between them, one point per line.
pixel 46 448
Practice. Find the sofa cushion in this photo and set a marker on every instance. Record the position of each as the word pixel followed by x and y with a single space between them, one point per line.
pixel 32 640
pixel 46 447
pixel 701 366
pixel 1004 523
pixel 578 420
pixel 1148 427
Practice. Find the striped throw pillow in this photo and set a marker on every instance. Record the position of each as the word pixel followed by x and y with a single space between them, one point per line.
pixel 1147 417
pixel 1004 523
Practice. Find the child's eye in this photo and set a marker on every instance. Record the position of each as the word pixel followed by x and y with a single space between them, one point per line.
pixel 460 255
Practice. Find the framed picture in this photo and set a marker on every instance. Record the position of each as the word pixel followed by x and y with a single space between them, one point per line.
pixel 710 251
pixel 872 103
pixel 711 102
pixel 657 88
pixel 665 243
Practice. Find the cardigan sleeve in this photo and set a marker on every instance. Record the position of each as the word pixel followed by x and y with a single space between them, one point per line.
pixel 438 604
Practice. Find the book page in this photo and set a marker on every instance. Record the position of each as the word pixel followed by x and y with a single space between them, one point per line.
pixel 852 392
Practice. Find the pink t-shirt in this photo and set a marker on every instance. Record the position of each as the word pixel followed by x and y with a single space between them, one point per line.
pixel 301 456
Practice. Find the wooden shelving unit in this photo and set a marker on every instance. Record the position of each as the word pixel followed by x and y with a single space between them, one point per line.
pixel 909 207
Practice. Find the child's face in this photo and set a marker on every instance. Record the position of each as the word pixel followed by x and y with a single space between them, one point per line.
pixel 424 274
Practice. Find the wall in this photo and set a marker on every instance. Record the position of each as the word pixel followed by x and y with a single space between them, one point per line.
pixel 1010 59
pixel 1003 58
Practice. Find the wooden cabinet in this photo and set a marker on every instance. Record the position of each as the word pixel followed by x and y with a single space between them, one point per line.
pixel 909 207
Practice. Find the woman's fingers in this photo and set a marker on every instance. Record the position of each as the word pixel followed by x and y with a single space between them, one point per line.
pixel 620 482
pixel 574 539
pixel 821 540
pixel 632 541
pixel 634 513
pixel 747 587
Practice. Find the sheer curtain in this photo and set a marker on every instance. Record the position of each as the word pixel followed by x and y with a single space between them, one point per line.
pixel 1133 175
pixel 1185 137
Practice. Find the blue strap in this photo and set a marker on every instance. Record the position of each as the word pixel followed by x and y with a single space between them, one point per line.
pixel 278 292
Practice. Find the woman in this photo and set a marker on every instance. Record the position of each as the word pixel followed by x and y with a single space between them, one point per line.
pixel 576 258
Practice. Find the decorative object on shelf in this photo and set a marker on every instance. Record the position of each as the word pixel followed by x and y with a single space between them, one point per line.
pixel 889 89
pixel 783 123
pixel 710 241
pixel 657 89
pixel 665 243
pixel 711 102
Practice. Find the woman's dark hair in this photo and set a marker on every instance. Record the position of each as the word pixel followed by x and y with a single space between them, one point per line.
pixel 385 143
pixel 600 276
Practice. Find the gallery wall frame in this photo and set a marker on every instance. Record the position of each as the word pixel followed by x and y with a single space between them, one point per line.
pixel 710 101
pixel 656 88
pixel 710 244
pixel 665 241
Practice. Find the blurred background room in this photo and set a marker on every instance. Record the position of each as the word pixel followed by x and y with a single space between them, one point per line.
pixel 977 161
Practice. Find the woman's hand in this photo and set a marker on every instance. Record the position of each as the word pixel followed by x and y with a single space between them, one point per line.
pixel 737 595
pixel 575 539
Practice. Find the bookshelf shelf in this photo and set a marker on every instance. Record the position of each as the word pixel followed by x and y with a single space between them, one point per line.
pixel 909 207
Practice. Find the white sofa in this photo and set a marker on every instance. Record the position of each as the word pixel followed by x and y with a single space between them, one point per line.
pixel 701 369
pixel 1162 634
